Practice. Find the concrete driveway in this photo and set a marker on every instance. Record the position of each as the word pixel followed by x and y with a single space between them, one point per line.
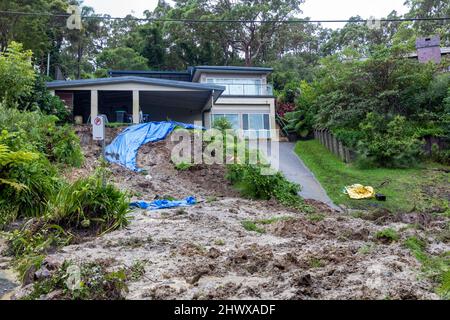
pixel 295 170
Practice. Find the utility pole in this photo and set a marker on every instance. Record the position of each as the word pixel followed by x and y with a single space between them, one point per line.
pixel 48 64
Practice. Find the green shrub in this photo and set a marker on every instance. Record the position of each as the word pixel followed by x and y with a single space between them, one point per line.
pixel 35 238
pixel 64 147
pixel 387 235
pixel 301 120
pixel 387 143
pixel 251 183
pixel 89 203
pixel 10 160
pixel 96 282
pixel 222 124
pixel 183 166
pixel 251 226
pixel 26 181
pixel 16 73
pixel 41 99
pixel 40 179
pixel 36 132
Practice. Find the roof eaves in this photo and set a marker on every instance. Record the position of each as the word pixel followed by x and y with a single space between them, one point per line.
pixel 134 79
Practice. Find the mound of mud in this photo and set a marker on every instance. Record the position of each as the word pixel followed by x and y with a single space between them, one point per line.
pixel 160 178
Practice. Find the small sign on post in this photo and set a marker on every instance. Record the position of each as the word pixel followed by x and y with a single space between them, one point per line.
pixel 98 128
pixel 98 131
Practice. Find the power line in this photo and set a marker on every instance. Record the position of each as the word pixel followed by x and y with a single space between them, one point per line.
pixel 43 14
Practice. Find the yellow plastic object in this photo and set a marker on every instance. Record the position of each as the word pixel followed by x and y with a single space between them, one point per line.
pixel 358 191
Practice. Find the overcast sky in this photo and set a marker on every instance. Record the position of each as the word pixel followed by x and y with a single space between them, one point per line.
pixel 315 9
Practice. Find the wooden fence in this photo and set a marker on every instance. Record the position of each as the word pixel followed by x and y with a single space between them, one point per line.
pixel 334 145
pixel 347 155
pixel 440 142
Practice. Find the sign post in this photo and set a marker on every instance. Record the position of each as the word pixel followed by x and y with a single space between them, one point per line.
pixel 98 131
pixel 98 134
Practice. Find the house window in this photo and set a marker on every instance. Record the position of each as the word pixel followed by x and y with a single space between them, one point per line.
pixel 239 87
pixel 231 117
pixel 259 122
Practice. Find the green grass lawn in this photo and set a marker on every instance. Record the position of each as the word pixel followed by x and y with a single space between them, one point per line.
pixel 421 189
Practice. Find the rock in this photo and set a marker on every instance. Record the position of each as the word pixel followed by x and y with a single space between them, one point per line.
pixel 214 253
pixel 54 295
pixel 42 273
pixel 28 276
pixel 304 280
pixel 197 277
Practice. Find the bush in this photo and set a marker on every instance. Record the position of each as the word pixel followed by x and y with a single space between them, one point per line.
pixel 283 108
pixel 36 132
pixel 35 238
pixel 301 120
pixel 387 143
pixel 183 166
pixel 64 146
pixel 387 235
pixel 26 181
pixel 97 282
pixel 297 122
pixel 40 99
pixel 222 124
pixel 251 183
pixel 16 74
pixel 40 179
pixel 89 203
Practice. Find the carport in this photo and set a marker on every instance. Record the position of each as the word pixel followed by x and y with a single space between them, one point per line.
pixel 130 96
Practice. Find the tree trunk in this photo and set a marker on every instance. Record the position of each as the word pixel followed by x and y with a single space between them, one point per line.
pixel 248 57
pixel 79 54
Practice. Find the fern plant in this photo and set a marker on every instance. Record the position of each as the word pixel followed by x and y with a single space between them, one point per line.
pixel 12 159
pixel 297 122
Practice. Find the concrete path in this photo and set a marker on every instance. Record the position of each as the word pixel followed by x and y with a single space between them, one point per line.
pixel 295 170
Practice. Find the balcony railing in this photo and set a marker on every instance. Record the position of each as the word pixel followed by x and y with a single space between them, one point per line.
pixel 246 89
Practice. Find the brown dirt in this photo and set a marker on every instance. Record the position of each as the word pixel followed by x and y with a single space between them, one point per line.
pixel 203 252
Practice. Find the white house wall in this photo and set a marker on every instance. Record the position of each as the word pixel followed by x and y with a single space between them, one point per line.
pixel 242 106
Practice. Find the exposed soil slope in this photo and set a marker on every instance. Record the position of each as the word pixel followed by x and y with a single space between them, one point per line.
pixel 204 252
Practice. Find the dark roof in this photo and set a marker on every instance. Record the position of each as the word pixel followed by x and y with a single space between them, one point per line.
pixel 67 84
pixel 234 68
pixel 168 75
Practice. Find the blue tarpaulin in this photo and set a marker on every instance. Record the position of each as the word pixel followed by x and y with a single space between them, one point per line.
pixel 162 204
pixel 123 149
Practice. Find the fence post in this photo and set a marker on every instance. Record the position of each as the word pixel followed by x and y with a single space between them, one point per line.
pixel 341 151
pixel 335 146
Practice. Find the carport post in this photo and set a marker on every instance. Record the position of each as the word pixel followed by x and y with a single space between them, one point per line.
pixel 136 106
pixel 94 104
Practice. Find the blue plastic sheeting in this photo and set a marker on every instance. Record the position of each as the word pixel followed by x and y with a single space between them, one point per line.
pixel 123 149
pixel 163 204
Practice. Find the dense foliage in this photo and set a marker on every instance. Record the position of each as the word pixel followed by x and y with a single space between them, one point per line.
pixel 32 149
pixel 16 73
pixel 37 132
pixel 293 49
pixel 89 202
pixel 380 106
